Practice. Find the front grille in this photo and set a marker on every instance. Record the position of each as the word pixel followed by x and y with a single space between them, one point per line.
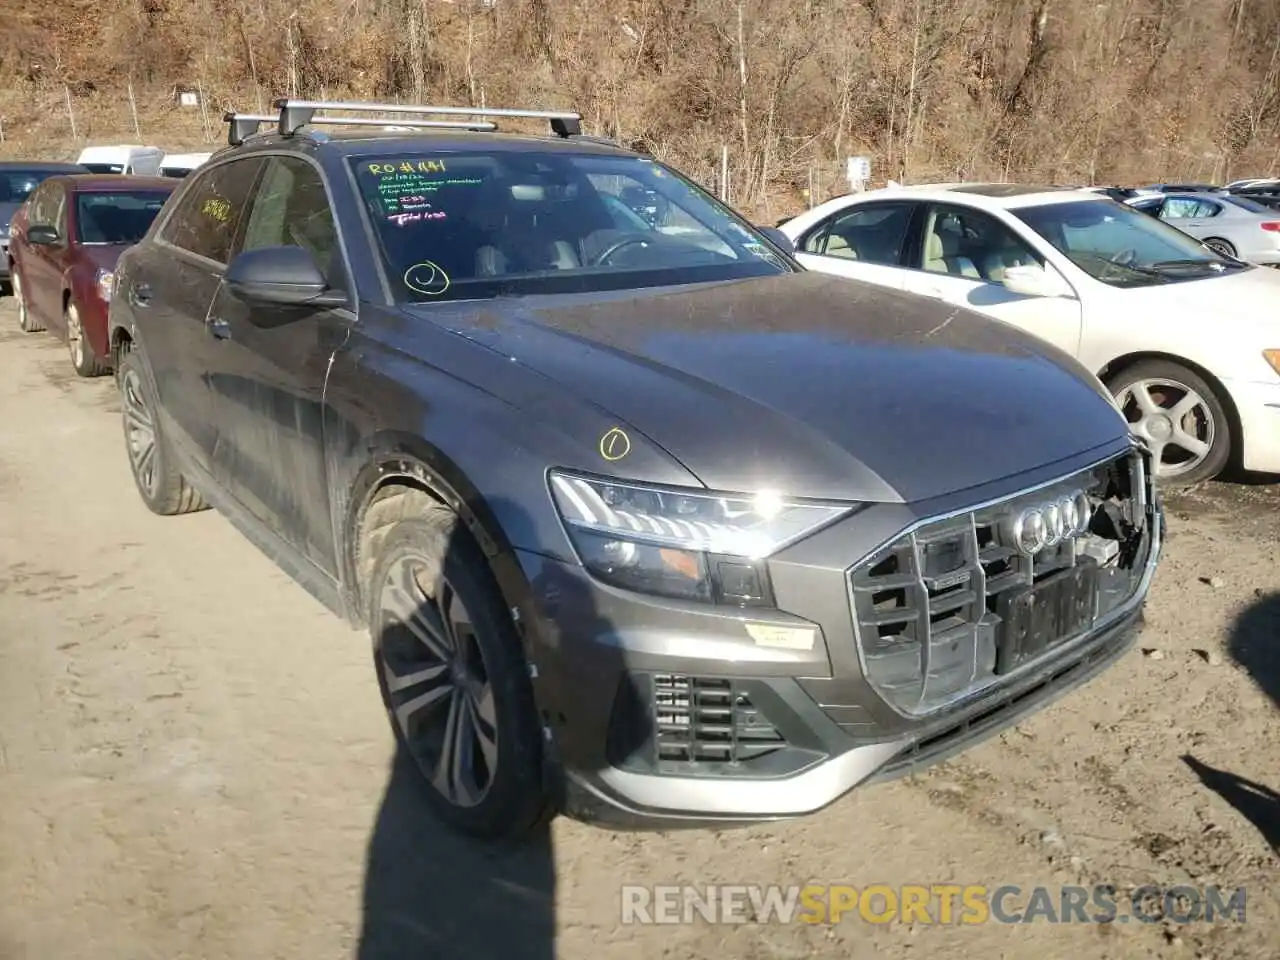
pixel 670 723
pixel 932 609
pixel 997 716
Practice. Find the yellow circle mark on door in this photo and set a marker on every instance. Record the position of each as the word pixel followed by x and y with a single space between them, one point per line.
pixel 615 444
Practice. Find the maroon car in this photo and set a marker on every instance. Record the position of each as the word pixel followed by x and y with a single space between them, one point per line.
pixel 63 247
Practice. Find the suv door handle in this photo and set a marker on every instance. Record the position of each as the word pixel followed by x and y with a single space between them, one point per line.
pixel 219 328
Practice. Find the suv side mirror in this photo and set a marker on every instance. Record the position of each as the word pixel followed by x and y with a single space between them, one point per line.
pixel 779 238
pixel 1035 281
pixel 43 235
pixel 286 276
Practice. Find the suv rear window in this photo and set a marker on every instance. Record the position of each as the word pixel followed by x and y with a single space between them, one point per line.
pixel 506 223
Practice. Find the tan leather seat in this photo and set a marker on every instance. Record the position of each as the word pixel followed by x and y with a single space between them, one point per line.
pixel 997 262
pixel 838 246
pixel 942 255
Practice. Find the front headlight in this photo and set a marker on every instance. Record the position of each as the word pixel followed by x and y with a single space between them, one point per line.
pixel 106 281
pixel 1273 358
pixel 682 543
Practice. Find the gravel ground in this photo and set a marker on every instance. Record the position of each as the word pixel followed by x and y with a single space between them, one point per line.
pixel 194 761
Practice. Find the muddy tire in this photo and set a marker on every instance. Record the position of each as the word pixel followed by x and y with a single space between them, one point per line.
pixel 163 489
pixel 451 669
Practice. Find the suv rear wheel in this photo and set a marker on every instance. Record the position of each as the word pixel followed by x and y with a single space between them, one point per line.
pixel 450 668
pixel 164 490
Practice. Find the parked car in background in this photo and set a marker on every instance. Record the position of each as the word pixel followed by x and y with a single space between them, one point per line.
pixel 1264 192
pixel 1120 194
pixel 1186 340
pixel 1177 188
pixel 645 525
pixel 17 179
pixel 65 243
pixel 1235 185
pixel 125 158
pixel 180 164
pixel 1233 226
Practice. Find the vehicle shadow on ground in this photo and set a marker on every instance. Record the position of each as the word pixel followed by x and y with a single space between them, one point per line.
pixel 1258 804
pixel 1255 645
pixel 433 894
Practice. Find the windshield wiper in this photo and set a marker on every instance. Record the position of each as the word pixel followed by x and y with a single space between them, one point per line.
pixel 1196 262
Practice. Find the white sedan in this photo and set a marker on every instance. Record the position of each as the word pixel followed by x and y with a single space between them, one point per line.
pixel 1186 340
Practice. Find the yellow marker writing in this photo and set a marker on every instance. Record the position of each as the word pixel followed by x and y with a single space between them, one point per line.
pixel 615 444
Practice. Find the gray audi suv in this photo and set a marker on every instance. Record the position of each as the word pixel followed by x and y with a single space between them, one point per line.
pixel 648 524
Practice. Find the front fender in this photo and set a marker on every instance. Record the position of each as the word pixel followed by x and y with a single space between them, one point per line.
pixel 389 417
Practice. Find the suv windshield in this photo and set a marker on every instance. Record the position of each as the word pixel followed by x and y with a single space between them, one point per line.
pixel 469 225
pixel 16 185
pixel 1121 246
pixel 116 217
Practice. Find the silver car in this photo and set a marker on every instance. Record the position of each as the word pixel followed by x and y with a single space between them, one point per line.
pixel 1234 226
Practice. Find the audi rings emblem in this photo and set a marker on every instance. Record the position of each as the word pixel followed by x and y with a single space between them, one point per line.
pixel 1044 525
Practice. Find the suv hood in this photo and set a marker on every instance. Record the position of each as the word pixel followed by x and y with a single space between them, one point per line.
pixel 812 385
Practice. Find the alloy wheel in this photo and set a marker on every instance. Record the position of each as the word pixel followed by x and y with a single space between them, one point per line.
pixel 1174 419
pixel 1220 247
pixel 75 336
pixel 16 283
pixel 437 683
pixel 140 431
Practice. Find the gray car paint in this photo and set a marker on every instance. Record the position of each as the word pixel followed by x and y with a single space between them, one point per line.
pixel 809 384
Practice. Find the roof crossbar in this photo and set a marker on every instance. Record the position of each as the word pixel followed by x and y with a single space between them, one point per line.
pixel 298 113
pixel 479 126
pixel 242 125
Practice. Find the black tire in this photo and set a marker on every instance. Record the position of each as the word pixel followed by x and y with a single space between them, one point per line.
pixel 1218 245
pixel 83 360
pixel 163 489
pixel 1173 383
pixel 451 689
pixel 26 322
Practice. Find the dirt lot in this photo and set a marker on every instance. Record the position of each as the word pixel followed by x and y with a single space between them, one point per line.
pixel 194 762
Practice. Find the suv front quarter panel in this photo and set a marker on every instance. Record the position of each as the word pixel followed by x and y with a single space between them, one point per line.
pixel 471 413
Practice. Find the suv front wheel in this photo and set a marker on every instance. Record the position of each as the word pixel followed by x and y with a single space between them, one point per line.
pixel 450 668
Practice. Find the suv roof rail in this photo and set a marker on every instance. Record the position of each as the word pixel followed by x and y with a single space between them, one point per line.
pixel 243 125
pixel 298 113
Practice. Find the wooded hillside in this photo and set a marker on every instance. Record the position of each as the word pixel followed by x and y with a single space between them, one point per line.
pixel 1060 90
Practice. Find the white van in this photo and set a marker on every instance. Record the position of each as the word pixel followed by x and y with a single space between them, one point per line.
pixel 124 158
pixel 181 164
